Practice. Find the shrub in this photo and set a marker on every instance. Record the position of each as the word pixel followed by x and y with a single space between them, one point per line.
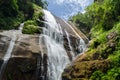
pixel 30 22
pixel 30 27
pixel 97 75
pixel 38 13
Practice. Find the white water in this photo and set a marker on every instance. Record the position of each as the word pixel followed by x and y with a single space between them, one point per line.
pixel 52 39
pixel 10 48
pixel 69 43
pixel 82 46
pixel 20 31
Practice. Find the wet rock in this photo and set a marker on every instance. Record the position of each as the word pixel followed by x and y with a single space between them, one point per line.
pixel 113 35
pixel 26 46
pixel 20 69
pixel 74 42
pixel 1 62
pixel 112 38
pixel 4 43
pixel 26 61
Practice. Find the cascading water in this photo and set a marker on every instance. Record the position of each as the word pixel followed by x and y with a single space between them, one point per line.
pixel 69 44
pixel 52 38
pixel 13 34
pixel 81 44
pixel 20 31
pixel 8 53
pixel 51 44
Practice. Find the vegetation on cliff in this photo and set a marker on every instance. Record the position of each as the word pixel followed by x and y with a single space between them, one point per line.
pixel 101 23
pixel 14 12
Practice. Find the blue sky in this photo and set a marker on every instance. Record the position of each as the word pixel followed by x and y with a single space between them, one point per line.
pixel 67 8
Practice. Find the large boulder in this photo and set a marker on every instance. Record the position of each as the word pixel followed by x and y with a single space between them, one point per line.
pixel 23 64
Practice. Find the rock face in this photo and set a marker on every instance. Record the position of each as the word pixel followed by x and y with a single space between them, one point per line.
pixel 82 70
pixel 4 42
pixel 22 64
pixel 85 65
pixel 74 38
pixel 26 61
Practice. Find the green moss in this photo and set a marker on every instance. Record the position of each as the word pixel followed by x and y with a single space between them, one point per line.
pixel 30 27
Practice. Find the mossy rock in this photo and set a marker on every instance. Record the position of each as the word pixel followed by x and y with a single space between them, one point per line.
pixel 82 70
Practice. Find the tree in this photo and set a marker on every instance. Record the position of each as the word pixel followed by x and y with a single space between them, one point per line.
pixel 9 7
pixel 42 3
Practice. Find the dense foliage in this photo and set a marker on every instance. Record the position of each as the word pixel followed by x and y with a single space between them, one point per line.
pixel 13 12
pixel 102 19
pixel 100 16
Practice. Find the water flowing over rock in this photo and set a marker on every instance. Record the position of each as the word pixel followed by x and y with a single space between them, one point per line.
pixel 57 56
pixel 40 56
pixel 8 54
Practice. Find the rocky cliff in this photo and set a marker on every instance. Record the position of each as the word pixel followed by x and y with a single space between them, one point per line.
pixel 26 53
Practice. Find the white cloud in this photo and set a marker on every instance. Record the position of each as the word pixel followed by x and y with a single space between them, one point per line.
pixel 66 8
pixel 83 2
pixel 79 3
pixel 59 1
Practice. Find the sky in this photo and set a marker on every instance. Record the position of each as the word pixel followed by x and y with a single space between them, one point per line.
pixel 67 8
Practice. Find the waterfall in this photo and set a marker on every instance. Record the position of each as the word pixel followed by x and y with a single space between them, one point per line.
pixel 20 31
pixel 52 44
pixel 52 39
pixel 81 44
pixel 69 44
pixel 54 57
